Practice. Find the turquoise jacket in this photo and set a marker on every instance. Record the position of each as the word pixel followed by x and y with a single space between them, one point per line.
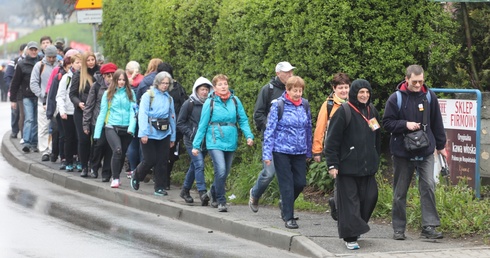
pixel 162 106
pixel 220 130
pixel 120 114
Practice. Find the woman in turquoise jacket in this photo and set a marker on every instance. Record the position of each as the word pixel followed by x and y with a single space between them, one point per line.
pixel 118 119
pixel 221 114
pixel 157 130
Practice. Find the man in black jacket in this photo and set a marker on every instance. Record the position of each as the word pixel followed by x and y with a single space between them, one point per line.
pixel 401 117
pixel 273 90
pixel 21 85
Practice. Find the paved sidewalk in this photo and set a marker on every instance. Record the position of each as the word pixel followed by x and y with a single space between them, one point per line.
pixel 316 237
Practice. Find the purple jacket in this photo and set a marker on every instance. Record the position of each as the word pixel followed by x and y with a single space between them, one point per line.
pixel 291 134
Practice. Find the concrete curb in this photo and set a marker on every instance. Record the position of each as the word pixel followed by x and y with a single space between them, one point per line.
pixel 270 236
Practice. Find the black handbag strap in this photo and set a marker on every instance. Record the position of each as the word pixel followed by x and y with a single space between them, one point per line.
pixel 425 114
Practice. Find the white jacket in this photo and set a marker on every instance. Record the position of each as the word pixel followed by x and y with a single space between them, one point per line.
pixel 63 102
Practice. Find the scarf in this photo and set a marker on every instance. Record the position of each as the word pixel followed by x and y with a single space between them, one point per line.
pixel 296 103
pixel 224 97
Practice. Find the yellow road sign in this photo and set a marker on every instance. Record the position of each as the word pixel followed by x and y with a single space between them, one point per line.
pixel 88 4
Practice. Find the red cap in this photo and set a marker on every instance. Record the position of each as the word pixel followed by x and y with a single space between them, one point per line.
pixel 108 68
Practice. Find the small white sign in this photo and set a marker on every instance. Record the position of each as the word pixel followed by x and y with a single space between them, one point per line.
pixel 89 16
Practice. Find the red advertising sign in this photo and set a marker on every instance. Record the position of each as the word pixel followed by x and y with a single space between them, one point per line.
pixel 460 120
pixel 3 30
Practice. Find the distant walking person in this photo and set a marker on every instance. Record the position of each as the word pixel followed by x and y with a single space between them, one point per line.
pixel 118 120
pixel 406 115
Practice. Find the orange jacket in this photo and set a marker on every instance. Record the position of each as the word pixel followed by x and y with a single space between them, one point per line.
pixel 322 123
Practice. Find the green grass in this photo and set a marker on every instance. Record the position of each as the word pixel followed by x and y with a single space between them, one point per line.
pixel 72 31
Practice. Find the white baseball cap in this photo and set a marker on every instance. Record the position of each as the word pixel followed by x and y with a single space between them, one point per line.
pixel 284 67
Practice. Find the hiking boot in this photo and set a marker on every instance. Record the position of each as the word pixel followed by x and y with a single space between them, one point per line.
pixel 222 207
pixel 399 235
pixel 431 233
pixel 253 203
pixel 184 193
pixel 204 198
pixel 352 245
pixel 333 209
pixel 212 197
pixel 291 224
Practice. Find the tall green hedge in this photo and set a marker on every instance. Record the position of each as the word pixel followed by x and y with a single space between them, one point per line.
pixel 371 39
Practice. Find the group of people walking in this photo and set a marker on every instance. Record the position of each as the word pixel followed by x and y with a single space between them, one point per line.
pixel 348 135
pixel 91 116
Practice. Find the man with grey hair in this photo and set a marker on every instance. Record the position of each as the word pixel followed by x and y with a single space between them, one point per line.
pixel 273 90
pixel 38 83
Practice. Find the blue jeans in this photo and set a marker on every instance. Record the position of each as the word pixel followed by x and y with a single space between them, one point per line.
pixel 222 165
pixel 30 122
pixel 291 176
pixel 266 176
pixel 134 153
pixel 403 173
pixel 196 171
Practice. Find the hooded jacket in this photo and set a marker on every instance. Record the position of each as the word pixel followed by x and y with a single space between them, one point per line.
pixel 263 103
pixel 119 112
pixel 395 121
pixel 354 148
pixel 40 77
pixel 190 113
pixel 63 101
pixel 20 85
pixel 150 110
pixel 291 134
pixel 51 105
pixel 220 127
pixel 92 106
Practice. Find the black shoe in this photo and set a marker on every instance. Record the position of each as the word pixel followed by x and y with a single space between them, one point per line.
pixel 333 209
pixel 431 233
pixel 13 136
pixel 204 198
pixel 26 149
pixel 135 184
pixel 212 197
pixel 45 157
pixel 84 172
pixel 184 193
pixel 63 165
pixel 106 179
pixel 399 235
pixel 34 149
pixel 291 224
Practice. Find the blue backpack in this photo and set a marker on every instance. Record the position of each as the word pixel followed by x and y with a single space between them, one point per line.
pixel 399 98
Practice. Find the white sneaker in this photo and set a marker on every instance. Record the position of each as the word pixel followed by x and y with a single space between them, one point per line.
pixel 21 141
pixel 115 183
pixel 352 245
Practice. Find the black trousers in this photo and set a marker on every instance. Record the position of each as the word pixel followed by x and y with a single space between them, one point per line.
pixel 119 145
pixel 155 154
pixel 101 150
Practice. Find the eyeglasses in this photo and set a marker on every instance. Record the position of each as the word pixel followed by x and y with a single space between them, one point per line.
pixel 421 82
